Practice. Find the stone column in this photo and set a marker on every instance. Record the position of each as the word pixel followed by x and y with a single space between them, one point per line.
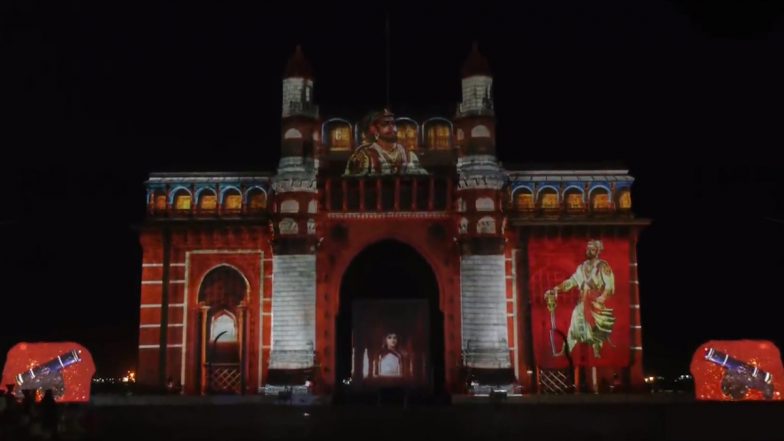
pixel 293 281
pixel 204 311
pixel 485 333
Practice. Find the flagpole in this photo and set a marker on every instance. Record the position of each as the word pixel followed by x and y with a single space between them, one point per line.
pixel 389 54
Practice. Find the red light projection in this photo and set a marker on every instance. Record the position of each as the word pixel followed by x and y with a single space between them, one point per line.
pixel 737 370
pixel 580 302
pixel 64 367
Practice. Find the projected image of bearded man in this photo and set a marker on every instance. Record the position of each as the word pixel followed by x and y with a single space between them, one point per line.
pixel 592 321
pixel 380 152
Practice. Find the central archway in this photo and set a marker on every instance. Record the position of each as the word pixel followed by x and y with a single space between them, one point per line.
pixel 389 328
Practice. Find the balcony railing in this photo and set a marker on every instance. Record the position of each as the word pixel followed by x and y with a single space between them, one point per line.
pixel 566 211
pixel 386 194
pixel 196 212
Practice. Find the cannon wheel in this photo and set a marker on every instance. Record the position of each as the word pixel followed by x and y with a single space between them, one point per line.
pixel 733 387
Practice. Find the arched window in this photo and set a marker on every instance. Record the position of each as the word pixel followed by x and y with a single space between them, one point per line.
pixel 338 135
pixel 232 201
pixel 438 135
pixel 257 200
pixel 223 287
pixel 159 201
pixel 222 346
pixel 292 133
pixel 224 327
pixel 407 133
pixel 182 200
pixel 574 201
pixel 523 200
pixel 600 200
pixel 625 199
pixel 548 199
pixel 485 204
pixel 208 201
pixel 221 295
pixel 289 206
pixel 480 131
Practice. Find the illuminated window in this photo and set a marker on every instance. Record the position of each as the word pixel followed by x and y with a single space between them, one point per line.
pixel 232 200
pixel 292 134
pixel 160 202
pixel 257 200
pixel 182 200
pixel 223 325
pixel 289 206
pixel 485 225
pixel 407 135
pixel 574 200
pixel 223 339
pixel 524 200
pixel 480 131
pixel 438 136
pixel 548 199
pixel 208 201
pixel 222 291
pixel 340 137
pixel 600 200
pixel 625 200
pixel 485 204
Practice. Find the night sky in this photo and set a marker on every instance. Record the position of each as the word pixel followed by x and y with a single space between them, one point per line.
pixel 687 95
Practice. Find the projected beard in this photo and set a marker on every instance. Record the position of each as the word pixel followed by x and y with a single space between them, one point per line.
pixel 385 129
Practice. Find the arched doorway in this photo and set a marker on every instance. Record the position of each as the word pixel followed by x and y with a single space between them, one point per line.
pixel 222 301
pixel 389 328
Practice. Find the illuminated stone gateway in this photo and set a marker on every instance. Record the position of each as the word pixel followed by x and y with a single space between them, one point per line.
pixel 390 253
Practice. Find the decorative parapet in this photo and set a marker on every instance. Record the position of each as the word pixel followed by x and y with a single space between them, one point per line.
pixel 569 193
pixel 209 194
pixel 299 183
pixel 480 172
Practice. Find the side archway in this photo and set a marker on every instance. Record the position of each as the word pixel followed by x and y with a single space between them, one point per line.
pixel 222 301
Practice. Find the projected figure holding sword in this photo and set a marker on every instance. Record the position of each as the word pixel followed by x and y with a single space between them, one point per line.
pixel 592 321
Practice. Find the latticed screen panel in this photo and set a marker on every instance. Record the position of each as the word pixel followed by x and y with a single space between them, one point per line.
pixel 555 381
pixel 226 379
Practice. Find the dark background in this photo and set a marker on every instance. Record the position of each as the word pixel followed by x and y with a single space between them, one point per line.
pixel 686 94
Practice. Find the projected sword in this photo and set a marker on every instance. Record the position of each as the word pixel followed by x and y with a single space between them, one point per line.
pixel 550 298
